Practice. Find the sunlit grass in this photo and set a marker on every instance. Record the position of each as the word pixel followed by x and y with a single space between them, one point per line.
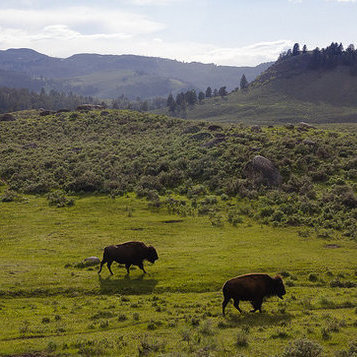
pixel 48 304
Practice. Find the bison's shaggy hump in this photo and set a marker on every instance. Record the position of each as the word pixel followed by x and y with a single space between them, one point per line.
pixel 253 288
pixel 263 171
pixel 128 253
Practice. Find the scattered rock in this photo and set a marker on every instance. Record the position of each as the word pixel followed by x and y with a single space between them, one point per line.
pixel 91 261
pixel 44 113
pixel 192 129
pixel 256 129
pixel 88 107
pixel 303 125
pixel 289 126
pixel 214 142
pixel 214 128
pixel 7 117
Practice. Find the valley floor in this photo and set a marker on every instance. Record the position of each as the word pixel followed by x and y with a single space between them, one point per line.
pixel 51 304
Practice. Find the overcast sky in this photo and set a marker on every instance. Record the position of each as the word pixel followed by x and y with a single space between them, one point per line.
pixel 225 32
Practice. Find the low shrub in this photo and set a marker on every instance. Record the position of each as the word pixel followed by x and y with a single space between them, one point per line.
pixel 241 339
pixel 302 348
pixel 9 196
pixel 58 199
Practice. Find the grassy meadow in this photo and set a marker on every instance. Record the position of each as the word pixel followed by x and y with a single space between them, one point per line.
pixel 268 106
pixel 51 304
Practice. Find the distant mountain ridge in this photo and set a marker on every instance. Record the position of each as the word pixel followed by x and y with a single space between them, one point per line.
pixel 109 76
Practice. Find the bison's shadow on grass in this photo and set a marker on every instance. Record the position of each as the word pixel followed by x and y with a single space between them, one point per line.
pixel 124 284
pixel 256 319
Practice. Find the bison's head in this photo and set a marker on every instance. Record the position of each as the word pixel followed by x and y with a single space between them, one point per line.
pixel 279 288
pixel 152 254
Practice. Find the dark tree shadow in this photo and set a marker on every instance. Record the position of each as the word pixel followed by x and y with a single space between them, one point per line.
pixel 142 284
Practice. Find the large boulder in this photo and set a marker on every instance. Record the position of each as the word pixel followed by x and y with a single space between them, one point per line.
pixel 87 107
pixel 262 171
pixel 44 113
pixel 7 117
pixel 305 126
pixel 91 261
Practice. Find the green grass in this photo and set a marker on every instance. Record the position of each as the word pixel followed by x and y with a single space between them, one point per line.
pixel 269 106
pixel 288 91
pixel 49 305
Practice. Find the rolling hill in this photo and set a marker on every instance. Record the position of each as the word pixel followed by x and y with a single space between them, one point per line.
pixel 110 76
pixel 291 90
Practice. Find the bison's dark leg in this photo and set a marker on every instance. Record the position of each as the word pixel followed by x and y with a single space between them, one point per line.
pixel 257 305
pixel 236 305
pixel 127 266
pixel 141 266
pixel 101 265
pixel 109 265
pixel 224 304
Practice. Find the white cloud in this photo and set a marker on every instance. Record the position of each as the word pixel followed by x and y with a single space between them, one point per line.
pixel 61 41
pixel 88 20
pixel 153 2
pixel 64 32
pixel 247 55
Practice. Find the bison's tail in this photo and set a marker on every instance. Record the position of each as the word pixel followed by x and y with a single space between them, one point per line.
pixel 226 290
pixel 105 255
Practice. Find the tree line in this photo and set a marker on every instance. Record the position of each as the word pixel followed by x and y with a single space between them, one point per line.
pixel 325 58
pixel 183 100
pixel 12 99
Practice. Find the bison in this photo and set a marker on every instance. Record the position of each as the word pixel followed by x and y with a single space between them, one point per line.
pixel 253 288
pixel 129 253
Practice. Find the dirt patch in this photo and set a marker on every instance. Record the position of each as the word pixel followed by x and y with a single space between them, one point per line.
pixel 332 246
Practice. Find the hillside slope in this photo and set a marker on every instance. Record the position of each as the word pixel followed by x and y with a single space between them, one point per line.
pixel 289 91
pixel 116 152
pixel 109 76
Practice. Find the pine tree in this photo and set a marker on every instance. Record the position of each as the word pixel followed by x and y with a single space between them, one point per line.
pixel 171 103
pixel 201 97
pixel 243 83
pixel 222 91
pixel 296 49
pixel 208 92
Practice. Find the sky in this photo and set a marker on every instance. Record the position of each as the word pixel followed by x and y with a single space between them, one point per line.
pixel 224 32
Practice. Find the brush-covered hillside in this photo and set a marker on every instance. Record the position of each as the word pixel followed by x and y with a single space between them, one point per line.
pixel 310 180
pixel 110 76
pixel 216 201
pixel 317 86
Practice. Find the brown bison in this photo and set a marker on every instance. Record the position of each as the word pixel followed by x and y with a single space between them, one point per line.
pixel 253 288
pixel 129 253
